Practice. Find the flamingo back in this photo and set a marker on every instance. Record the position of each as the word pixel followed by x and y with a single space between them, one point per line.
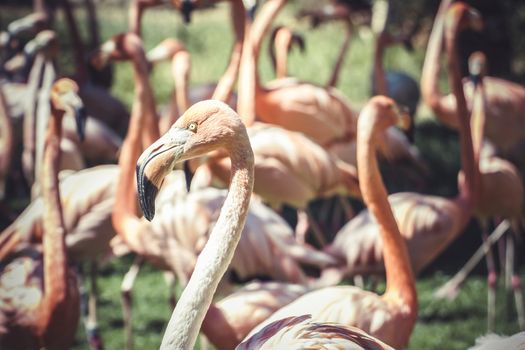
pixel 299 332
pixel 427 223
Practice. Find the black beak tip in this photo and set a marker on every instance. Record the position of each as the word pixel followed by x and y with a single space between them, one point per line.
pixel 80 117
pixel 147 193
pixel 186 9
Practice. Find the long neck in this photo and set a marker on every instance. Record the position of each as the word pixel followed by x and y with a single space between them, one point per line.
pixel 225 85
pixel 477 120
pixel 399 277
pixel 186 320
pixel 249 82
pixel 282 48
pixel 125 210
pixel 53 241
pixel 29 123
pixel 468 192
pixel 144 101
pixel 181 66
pixel 332 82
pixel 430 74
pixel 379 71
pixel 6 142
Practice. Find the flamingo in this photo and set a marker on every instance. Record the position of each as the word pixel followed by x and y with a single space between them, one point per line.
pixel 505 100
pixel 100 143
pixel 221 91
pixel 39 296
pixel 303 333
pixel 268 247
pixel 396 84
pixel 290 169
pixel 180 68
pixel 322 114
pixel 428 223
pixel 282 40
pixel 205 126
pixel 501 194
pixel 331 12
pixel 392 316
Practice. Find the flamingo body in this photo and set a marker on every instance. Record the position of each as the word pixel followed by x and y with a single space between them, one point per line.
pixel 299 332
pixel 427 223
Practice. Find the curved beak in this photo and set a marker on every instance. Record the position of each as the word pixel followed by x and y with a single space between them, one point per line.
pixel 75 104
pixel 299 40
pixel 155 163
pixel 404 121
pixel 251 7
pixel 476 20
pixel 186 8
pixel 101 56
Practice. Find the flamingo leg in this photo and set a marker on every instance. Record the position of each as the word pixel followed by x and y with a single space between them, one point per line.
pixel 347 208
pixel 316 229
pixel 93 335
pixel 451 288
pixel 125 290
pixel 492 279
pixel 515 281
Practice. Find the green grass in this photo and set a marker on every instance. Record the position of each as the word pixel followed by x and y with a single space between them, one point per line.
pixel 441 324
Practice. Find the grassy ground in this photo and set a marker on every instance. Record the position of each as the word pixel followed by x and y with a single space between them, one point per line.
pixel 441 324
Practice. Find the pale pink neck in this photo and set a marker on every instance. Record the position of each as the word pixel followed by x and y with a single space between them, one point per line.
pixel 144 102
pixel 186 320
pixel 53 240
pixel 6 139
pixel 400 282
pixel 431 66
pixel 125 210
pixel 225 85
pixel 249 82
pixel 379 71
pixel 181 67
pixel 467 193
pixel 477 120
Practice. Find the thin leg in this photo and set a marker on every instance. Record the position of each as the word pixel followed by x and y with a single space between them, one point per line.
pixel 509 267
pixel 359 281
pixel 302 226
pixel 515 280
pixel 318 233
pixel 451 289
pixel 492 278
pixel 125 290
pixel 324 211
pixel 93 335
pixel 347 208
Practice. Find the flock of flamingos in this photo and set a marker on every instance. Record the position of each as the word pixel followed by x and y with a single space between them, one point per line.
pixel 285 143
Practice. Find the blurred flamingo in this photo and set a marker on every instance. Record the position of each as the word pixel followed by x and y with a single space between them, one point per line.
pixel 39 293
pixel 428 223
pixel 392 316
pixel 281 41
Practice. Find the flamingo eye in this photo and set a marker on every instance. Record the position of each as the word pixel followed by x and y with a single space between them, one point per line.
pixel 192 127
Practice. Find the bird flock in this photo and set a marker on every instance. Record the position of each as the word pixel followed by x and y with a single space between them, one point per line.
pixel 217 188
